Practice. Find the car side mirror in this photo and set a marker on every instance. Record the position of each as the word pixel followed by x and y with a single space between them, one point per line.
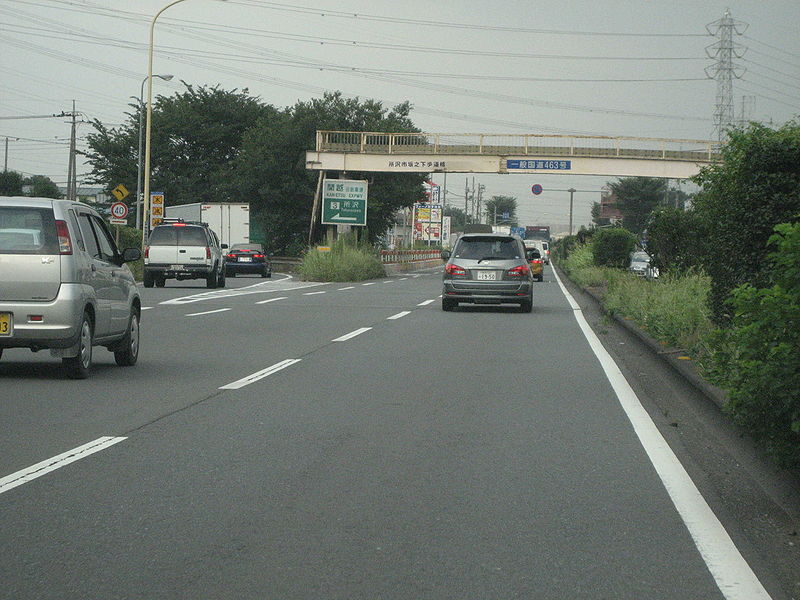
pixel 224 246
pixel 445 255
pixel 131 254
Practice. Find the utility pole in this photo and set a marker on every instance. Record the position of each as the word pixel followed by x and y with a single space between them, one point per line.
pixel 723 70
pixel 466 201
pixel 481 187
pixel 72 178
pixel 5 160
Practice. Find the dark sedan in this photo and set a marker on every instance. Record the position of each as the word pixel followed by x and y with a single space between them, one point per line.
pixel 247 259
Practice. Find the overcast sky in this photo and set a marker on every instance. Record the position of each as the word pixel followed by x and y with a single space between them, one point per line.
pixel 623 68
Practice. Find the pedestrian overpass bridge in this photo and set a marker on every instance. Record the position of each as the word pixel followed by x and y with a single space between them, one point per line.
pixel 508 153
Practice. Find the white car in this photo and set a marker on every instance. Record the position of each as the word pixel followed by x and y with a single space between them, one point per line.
pixel 179 249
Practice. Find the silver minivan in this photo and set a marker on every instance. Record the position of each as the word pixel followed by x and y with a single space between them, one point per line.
pixel 64 286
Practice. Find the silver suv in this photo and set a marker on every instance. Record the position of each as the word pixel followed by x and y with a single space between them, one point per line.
pixel 64 286
pixel 487 268
pixel 179 249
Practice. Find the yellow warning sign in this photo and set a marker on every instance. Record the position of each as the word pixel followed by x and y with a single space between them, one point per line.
pixel 120 192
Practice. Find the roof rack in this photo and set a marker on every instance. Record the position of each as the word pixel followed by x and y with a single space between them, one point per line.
pixel 169 220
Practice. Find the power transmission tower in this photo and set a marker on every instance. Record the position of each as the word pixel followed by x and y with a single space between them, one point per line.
pixel 724 50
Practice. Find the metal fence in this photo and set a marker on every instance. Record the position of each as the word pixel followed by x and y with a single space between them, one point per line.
pixel 405 256
pixel 365 142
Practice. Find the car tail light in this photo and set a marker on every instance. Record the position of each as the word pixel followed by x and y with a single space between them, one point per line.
pixel 179 224
pixel 520 271
pixel 231 256
pixel 64 241
pixel 147 251
pixel 536 261
pixel 258 255
pixel 452 269
pixel 208 252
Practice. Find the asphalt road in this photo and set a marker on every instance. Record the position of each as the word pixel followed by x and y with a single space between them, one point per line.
pixel 284 439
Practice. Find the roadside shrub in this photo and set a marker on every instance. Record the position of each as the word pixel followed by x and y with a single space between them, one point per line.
pixel 579 265
pixel 675 239
pixel 562 248
pixel 346 261
pixel 756 360
pixel 130 237
pixel 612 247
pixel 755 188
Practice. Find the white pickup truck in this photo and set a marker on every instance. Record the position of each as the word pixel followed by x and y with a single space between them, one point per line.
pixel 179 249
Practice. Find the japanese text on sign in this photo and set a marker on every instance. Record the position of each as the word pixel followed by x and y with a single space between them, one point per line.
pixel 546 165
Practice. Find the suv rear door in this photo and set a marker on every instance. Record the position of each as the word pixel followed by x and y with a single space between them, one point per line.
pixel 163 245
pixel 30 259
pixel 193 245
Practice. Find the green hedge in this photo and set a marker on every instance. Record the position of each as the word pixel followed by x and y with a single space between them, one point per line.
pixel 346 261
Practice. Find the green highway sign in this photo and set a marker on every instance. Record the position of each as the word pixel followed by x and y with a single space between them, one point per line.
pixel 344 202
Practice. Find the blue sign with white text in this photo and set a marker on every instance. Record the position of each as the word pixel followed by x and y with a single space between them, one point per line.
pixel 545 165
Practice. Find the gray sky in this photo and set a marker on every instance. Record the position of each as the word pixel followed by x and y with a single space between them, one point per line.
pixel 625 68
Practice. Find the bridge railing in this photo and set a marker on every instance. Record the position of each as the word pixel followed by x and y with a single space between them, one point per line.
pixel 404 256
pixel 366 142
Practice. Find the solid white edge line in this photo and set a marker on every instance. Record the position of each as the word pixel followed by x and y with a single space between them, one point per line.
pixel 271 300
pixel 207 312
pixel 734 577
pixel 399 315
pixel 147 308
pixel 352 334
pixel 426 302
pixel 51 464
pixel 240 383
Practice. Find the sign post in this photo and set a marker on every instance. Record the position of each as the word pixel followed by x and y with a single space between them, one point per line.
pixel 156 208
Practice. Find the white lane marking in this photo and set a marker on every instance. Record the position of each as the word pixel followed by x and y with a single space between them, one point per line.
pixel 271 300
pixel 313 293
pixel 51 464
pixel 264 287
pixel 426 302
pixel 399 315
pixel 351 287
pixel 734 577
pixel 389 281
pixel 370 283
pixel 207 312
pixel 403 278
pixel 352 334
pixel 147 307
pixel 415 276
pixel 240 383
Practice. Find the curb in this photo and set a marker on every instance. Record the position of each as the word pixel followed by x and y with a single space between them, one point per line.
pixel 669 354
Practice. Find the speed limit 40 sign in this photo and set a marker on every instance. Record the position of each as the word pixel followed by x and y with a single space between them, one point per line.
pixel 119 213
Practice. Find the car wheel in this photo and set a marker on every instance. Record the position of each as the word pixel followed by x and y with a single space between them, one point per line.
pixel 221 280
pixel 211 280
pixel 161 281
pixel 147 279
pixel 77 367
pixel 128 352
pixel 527 305
pixel 232 274
pixel 448 304
pixel 540 278
pixel 264 274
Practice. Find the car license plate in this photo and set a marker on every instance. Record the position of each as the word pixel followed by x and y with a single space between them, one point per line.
pixel 176 267
pixel 487 276
pixel 245 259
pixel 6 325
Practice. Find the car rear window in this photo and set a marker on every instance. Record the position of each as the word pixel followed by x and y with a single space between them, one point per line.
pixel 476 248
pixel 27 231
pixel 169 235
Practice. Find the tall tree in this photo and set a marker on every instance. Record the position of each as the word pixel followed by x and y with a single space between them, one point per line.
pixel 196 137
pixel 497 206
pixel 636 199
pixel 10 183
pixel 42 187
pixel 271 171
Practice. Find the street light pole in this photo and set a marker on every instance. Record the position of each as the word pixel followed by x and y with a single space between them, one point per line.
pixel 139 155
pixel 571 192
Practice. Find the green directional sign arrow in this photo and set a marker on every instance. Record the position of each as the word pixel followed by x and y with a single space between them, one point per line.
pixel 344 202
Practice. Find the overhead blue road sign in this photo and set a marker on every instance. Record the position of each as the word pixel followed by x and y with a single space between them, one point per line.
pixel 539 165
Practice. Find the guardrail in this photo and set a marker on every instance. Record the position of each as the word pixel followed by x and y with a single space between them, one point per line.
pixel 587 146
pixel 405 256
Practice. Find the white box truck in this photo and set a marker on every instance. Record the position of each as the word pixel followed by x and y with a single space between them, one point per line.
pixel 230 221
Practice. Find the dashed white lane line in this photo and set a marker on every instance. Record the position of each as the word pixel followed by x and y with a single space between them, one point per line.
pixel 51 464
pixel 271 300
pixel 399 315
pixel 207 312
pixel 352 334
pixel 370 283
pixel 147 308
pixel 403 278
pixel 313 293
pixel 240 383
pixel 426 302
pixel 389 281
pixel 349 287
